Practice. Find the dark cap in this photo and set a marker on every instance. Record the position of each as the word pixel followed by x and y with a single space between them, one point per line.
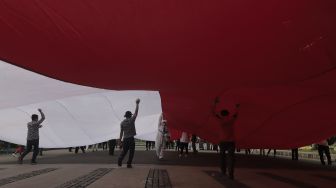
pixel 128 114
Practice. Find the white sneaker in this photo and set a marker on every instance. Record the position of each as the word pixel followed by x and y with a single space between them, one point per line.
pixel 14 155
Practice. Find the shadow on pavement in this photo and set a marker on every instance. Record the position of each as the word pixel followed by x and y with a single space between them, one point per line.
pixel 224 180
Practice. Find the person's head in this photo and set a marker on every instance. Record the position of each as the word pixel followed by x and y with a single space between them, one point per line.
pixel 224 113
pixel 164 122
pixel 128 114
pixel 34 117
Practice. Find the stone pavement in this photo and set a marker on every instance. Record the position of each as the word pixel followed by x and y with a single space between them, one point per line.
pixel 59 168
pixel 311 155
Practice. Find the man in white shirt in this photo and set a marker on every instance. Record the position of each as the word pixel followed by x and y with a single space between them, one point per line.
pixel 33 137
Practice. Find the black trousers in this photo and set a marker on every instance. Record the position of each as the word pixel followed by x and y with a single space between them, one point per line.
pixel 227 160
pixel 193 144
pixel 128 144
pixel 148 145
pixel 82 148
pixel 112 144
pixel 324 149
pixel 183 146
pixel 295 154
pixel 30 144
pixel 177 147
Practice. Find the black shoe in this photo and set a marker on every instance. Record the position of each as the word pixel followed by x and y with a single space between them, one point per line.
pixel 33 163
pixel 119 163
pixel 129 166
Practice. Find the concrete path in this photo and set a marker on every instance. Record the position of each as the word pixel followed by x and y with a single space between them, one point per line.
pixel 61 169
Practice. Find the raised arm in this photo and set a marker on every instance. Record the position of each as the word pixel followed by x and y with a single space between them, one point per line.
pixel 135 115
pixel 42 117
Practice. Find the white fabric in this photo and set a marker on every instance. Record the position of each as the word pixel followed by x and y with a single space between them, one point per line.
pixel 75 115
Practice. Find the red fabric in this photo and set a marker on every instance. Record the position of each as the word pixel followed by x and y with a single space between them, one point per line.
pixel 275 57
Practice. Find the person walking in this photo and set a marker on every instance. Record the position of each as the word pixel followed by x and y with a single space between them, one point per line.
pixel 33 137
pixel 227 143
pixel 148 145
pixel 295 154
pixel 161 137
pixel 184 141
pixel 127 133
pixel 323 147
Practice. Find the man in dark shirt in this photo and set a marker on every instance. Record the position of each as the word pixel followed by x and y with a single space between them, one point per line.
pixel 33 137
pixel 127 133
pixel 227 143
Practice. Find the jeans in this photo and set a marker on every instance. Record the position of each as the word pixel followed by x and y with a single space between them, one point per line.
pixel 128 144
pixel 30 144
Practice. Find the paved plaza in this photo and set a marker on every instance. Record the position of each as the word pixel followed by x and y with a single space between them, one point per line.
pixel 60 168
